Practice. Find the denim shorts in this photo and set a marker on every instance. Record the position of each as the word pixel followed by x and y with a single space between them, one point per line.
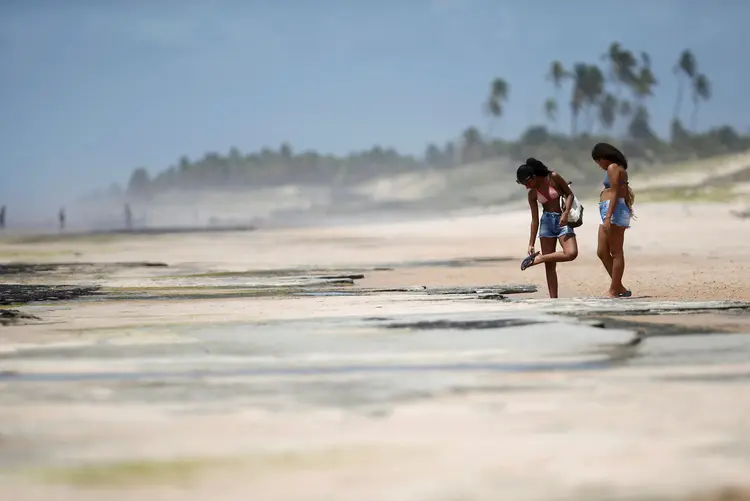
pixel 621 214
pixel 549 226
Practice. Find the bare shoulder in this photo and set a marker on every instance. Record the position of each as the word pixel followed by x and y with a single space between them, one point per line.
pixel 531 194
pixel 560 181
pixel 557 177
pixel 613 169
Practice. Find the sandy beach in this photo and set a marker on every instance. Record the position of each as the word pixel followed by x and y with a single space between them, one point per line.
pixel 272 252
pixel 389 361
pixel 673 251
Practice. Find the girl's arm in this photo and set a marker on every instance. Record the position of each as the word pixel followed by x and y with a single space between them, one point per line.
pixel 534 220
pixel 563 185
pixel 613 171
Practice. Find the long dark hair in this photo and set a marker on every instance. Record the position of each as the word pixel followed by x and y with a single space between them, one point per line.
pixel 532 168
pixel 611 154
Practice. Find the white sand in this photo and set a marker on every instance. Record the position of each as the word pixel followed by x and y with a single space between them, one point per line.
pixel 688 251
pixel 618 432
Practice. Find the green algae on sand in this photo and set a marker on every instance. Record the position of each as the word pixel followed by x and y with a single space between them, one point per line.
pixel 141 472
pixel 129 472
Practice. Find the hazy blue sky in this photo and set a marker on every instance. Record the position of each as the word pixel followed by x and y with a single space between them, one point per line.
pixel 90 89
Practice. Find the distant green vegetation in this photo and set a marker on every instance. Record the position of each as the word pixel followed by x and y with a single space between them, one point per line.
pixel 605 102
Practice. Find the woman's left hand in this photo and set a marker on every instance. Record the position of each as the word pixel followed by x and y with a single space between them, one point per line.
pixel 563 220
pixel 606 223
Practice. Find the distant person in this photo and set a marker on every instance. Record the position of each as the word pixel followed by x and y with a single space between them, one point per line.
pixel 616 209
pixel 61 219
pixel 546 187
pixel 128 217
pixel 2 217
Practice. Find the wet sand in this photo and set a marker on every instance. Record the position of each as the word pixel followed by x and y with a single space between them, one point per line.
pixel 384 361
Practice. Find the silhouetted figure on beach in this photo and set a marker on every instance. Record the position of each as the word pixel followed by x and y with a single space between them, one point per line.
pixel 61 218
pixel 2 217
pixel 128 217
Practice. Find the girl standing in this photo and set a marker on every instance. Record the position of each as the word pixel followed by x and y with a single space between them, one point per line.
pixel 616 209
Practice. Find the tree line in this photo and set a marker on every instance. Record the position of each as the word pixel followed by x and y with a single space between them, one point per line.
pixel 620 91
pixel 606 100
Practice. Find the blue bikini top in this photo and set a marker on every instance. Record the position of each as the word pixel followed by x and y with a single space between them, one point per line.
pixel 606 184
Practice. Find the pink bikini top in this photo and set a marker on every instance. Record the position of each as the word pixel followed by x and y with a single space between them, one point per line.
pixel 551 194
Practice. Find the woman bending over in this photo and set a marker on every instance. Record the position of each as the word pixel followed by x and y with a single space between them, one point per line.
pixel 545 188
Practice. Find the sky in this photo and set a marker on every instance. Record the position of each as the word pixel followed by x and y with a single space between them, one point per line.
pixel 89 89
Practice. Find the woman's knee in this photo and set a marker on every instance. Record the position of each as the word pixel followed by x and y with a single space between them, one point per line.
pixel 571 254
pixel 603 253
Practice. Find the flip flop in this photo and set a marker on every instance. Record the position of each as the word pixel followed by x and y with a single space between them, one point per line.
pixel 529 260
pixel 625 294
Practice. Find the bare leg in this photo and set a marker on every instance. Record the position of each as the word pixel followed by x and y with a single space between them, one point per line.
pixel 548 249
pixel 568 252
pixel 616 240
pixel 602 250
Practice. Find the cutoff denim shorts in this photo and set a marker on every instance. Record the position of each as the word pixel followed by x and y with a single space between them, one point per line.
pixel 549 226
pixel 621 214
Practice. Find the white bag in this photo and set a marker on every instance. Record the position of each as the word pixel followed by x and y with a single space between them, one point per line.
pixel 575 216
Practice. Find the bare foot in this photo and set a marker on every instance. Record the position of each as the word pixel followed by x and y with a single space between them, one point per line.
pixel 618 293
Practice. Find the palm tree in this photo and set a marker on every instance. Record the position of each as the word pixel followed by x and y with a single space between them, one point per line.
pixel 611 56
pixel 608 111
pixel 685 69
pixel 588 87
pixel 557 74
pixel 644 85
pixel 644 82
pixel 594 90
pixel 550 110
pixel 701 91
pixel 499 90
pixel 639 127
pixel 621 72
pixel 622 65
pixel 577 96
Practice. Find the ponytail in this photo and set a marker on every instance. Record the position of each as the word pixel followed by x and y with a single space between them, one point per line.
pixel 537 167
